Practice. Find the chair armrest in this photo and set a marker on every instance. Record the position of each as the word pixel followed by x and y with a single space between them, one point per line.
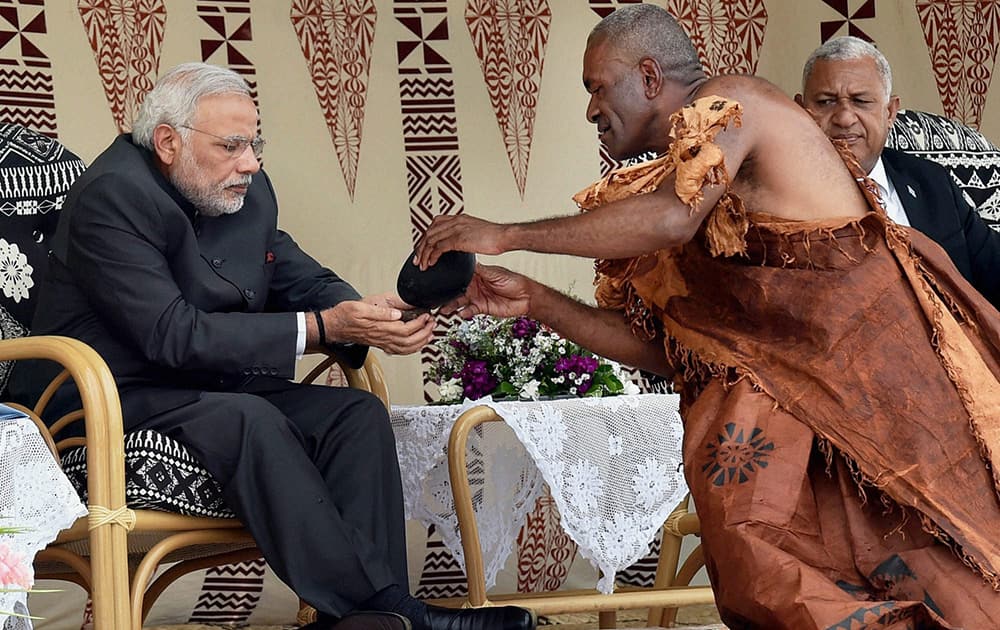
pixel 368 377
pixel 105 456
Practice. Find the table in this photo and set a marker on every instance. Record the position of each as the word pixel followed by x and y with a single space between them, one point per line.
pixel 36 496
pixel 613 466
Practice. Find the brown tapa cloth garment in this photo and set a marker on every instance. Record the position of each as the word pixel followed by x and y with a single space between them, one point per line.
pixel 841 404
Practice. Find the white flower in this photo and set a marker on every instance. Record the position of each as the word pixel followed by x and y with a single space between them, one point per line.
pixel 618 539
pixel 530 390
pixel 650 484
pixel 548 430
pixel 450 389
pixel 15 272
pixel 631 389
pixel 585 486
pixel 614 445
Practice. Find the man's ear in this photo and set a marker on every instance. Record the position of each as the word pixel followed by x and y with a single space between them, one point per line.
pixel 166 143
pixel 893 108
pixel 800 101
pixel 652 77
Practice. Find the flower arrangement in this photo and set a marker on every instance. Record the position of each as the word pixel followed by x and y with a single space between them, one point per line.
pixel 15 574
pixel 519 357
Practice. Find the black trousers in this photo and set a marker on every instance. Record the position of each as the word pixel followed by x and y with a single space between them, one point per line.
pixel 311 471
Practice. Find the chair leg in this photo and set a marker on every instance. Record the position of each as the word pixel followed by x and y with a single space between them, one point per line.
pixel 607 619
pixel 694 561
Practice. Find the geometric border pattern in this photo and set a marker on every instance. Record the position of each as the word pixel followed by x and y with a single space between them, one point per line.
pixel 430 128
pixel 26 94
pixel 434 187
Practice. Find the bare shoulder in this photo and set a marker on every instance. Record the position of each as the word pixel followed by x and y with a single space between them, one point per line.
pixel 763 102
pixel 786 165
pixel 737 86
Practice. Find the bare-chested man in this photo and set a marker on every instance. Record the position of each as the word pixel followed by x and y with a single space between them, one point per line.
pixel 838 376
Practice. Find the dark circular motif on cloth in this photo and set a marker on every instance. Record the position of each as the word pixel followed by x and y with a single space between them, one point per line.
pixel 734 457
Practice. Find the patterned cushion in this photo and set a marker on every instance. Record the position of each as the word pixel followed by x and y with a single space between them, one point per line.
pixel 972 160
pixel 35 173
pixel 160 474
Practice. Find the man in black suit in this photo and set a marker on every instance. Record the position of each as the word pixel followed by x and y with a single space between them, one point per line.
pixel 168 261
pixel 847 88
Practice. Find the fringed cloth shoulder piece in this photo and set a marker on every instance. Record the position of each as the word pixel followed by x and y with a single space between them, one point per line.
pixel 697 162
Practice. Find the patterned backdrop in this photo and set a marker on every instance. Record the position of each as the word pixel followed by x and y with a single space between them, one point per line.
pixel 381 114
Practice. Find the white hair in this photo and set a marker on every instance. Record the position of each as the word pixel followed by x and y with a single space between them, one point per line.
pixel 850 47
pixel 174 98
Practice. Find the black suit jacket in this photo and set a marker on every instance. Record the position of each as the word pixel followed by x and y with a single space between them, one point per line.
pixel 934 205
pixel 171 299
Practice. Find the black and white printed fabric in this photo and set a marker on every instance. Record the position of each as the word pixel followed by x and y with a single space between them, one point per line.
pixel 35 173
pixel 160 474
pixel 971 159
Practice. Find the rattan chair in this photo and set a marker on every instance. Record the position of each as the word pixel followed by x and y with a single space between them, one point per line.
pixel 671 587
pixel 115 551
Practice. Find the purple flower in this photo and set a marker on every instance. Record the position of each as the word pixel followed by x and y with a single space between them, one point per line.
pixel 476 379
pixel 575 366
pixel 524 327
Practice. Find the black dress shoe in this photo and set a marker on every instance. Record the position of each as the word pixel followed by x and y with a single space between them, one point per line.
pixel 488 618
pixel 361 620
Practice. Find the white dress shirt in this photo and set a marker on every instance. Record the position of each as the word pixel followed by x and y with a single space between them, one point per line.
pixel 893 206
pixel 300 339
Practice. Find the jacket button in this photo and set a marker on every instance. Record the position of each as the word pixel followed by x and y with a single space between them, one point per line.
pixel 256 370
pixel 216 262
pixel 274 371
pixel 246 371
pixel 249 293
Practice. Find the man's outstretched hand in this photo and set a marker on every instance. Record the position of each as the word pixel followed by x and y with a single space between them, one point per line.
pixel 377 321
pixel 494 291
pixel 459 232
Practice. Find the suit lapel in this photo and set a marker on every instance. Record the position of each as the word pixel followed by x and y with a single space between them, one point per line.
pixel 909 192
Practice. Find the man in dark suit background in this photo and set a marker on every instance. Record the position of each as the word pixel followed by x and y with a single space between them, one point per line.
pixel 847 88
pixel 168 261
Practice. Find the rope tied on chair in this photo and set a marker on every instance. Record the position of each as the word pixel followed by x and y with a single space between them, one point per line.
pixel 100 515
pixel 673 524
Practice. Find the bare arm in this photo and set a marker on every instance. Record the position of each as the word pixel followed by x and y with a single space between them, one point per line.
pixel 629 227
pixel 502 293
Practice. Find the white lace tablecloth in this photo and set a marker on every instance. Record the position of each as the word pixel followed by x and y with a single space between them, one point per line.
pixel 35 497
pixel 613 466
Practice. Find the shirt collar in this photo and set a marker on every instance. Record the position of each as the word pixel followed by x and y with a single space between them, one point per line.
pixel 879 176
